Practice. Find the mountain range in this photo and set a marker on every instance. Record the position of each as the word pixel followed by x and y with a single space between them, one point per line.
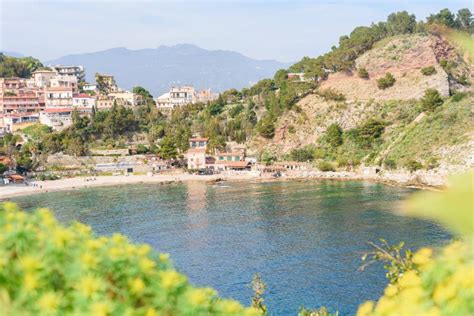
pixel 160 68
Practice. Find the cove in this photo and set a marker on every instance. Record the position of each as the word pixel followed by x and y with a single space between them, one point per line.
pixel 305 238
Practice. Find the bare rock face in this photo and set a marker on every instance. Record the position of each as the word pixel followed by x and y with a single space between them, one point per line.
pixel 403 57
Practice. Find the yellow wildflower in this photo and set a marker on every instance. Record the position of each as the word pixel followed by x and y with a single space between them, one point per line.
pixel 89 260
pixel 61 237
pixel 409 279
pixel 143 250
pixel 49 302
pixel 115 252
pixel 146 264
pixel 88 286
pixel 137 285
pixel 164 257
pixel 119 238
pixel 197 297
pixel 46 217
pixel 151 312
pixel 444 292
pixel 100 309
pixel 82 229
pixel 423 256
pixel 30 263
pixel 365 309
pixel 251 311
pixel 230 307
pixel 390 290
pixel 93 244
pixel 170 278
pixel 455 250
pixel 30 282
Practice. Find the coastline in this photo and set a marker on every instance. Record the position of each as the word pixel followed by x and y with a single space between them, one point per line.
pixel 11 191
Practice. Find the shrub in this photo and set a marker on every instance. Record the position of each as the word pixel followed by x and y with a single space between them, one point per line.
pixel 266 127
pixel 3 168
pixel 431 100
pixel 334 135
pixel 49 269
pixel 386 82
pixel 413 165
pixel 291 129
pixel 428 71
pixel 301 154
pixel 390 164
pixel 267 157
pixel 342 162
pixel 458 96
pixel 432 163
pixel 363 73
pixel 325 166
pixel 331 95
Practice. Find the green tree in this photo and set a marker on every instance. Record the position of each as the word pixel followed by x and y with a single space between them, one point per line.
pixel 401 23
pixel 431 100
pixel 334 135
pixel 168 148
pixel 267 157
pixel 444 17
pixel 464 20
pixel 266 127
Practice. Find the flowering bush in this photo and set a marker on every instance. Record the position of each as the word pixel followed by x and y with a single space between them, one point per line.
pixel 442 284
pixel 49 269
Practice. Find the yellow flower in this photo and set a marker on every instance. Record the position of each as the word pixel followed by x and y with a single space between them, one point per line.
pixel 151 312
pixel 252 312
pixel 385 306
pixel 444 292
pixel 30 282
pixel 365 309
pixel 230 307
pixel 146 264
pixel 88 286
pixel 115 252
pixel 82 229
pixel 119 238
pixel 46 217
pixel 88 260
pixel 164 257
pixel 143 250
pixel 100 309
pixel 137 286
pixel 30 263
pixel 423 256
pixel 409 279
pixel 197 297
pixel 93 244
pixel 61 237
pixel 170 278
pixel 455 250
pixel 49 302
pixel 390 290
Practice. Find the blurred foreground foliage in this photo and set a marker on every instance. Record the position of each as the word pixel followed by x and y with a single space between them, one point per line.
pixel 48 269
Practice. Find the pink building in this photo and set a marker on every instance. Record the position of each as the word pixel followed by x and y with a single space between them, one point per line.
pixel 58 97
pixel 22 102
pixel 196 154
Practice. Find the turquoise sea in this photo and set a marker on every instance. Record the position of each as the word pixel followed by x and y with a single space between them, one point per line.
pixel 305 238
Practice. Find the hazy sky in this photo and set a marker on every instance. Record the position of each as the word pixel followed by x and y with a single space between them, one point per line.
pixel 282 30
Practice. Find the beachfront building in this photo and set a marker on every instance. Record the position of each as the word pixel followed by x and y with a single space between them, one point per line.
pixel 12 122
pixel 25 102
pixel 83 100
pixel 58 97
pixel 196 154
pixel 231 161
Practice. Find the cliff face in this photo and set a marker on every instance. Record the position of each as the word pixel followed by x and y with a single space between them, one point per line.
pixel 446 135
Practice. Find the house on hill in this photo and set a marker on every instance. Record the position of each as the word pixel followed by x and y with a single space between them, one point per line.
pixel 196 154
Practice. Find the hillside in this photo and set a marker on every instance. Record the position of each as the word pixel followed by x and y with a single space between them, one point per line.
pixel 441 139
pixel 158 69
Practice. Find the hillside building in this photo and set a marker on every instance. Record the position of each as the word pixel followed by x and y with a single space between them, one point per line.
pixel 196 154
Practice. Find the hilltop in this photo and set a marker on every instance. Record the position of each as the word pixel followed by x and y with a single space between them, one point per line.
pixel 158 69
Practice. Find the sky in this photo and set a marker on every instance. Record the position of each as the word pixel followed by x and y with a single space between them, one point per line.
pixel 281 30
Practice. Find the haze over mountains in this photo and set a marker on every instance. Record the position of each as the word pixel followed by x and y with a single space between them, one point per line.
pixel 158 69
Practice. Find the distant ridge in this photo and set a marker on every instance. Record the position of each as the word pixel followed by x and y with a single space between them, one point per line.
pixel 12 54
pixel 157 69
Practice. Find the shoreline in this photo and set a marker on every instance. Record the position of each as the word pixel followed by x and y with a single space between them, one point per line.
pixel 69 184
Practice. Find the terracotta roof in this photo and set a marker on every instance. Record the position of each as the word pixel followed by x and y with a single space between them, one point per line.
pixel 234 164
pixel 58 110
pixel 198 139
pixel 58 89
pixel 20 114
pixel 16 177
pixel 235 153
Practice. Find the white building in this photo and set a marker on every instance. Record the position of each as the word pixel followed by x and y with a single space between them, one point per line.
pixel 126 98
pixel 42 78
pixel 75 71
pixel 179 96
pixel 60 118
pixel 14 121
pixel 58 97
pixel 89 87
pixel 83 100
pixel 64 81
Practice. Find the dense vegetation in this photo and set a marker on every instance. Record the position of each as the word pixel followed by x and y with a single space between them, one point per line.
pixel 18 67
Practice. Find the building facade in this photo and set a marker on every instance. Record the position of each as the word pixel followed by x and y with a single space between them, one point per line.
pixel 196 154
pixel 58 97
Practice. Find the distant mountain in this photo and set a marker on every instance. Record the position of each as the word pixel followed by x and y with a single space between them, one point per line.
pixel 158 69
pixel 12 54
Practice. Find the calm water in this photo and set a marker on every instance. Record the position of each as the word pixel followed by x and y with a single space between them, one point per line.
pixel 304 238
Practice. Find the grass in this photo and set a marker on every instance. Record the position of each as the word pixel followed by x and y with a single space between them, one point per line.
pixel 35 131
